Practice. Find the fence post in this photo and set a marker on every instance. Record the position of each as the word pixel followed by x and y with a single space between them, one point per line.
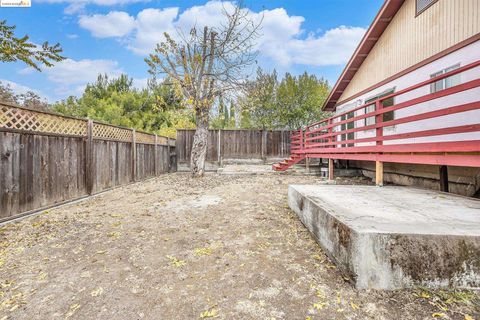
pixel 172 157
pixel 89 172
pixel 264 146
pixel 134 156
pixel 155 166
pixel 168 154
pixel 219 147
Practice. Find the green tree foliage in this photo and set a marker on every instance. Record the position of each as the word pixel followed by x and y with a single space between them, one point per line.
pixel 116 101
pixel 13 49
pixel 261 103
pixel 300 99
pixel 225 115
pixel 293 102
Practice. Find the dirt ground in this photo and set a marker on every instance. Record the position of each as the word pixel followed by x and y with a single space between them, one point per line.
pixel 224 247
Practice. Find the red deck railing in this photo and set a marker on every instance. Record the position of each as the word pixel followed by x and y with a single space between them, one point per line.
pixel 334 138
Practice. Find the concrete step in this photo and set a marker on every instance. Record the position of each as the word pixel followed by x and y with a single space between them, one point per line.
pixel 394 237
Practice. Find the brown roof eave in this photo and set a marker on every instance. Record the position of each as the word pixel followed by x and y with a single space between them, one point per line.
pixel 378 26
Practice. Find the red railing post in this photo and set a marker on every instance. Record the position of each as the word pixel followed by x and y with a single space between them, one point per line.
pixel 379 134
pixel 330 132
pixel 331 174
pixel 301 139
pixel 379 120
pixel 304 139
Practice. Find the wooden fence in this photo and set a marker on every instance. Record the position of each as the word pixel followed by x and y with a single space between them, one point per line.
pixel 48 159
pixel 236 144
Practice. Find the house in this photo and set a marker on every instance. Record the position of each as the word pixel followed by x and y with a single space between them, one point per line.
pixel 406 109
pixel 391 114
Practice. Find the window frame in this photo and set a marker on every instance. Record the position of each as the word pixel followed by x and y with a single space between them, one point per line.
pixel 347 126
pixel 443 82
pixel 372 98
pixel 417 13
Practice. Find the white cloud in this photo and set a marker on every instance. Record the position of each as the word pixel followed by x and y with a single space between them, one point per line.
pixel 150 26
pixel 278 29
pixel 21 89
pixel 334 47
pixel 113 24
pixel 18 88
pixel 26 71
pixel 140 83
pixel 283 40
pixel 210 14
pixel 72 75
pixel 72 36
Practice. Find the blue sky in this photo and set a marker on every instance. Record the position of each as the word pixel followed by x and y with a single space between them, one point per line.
pixel 114 36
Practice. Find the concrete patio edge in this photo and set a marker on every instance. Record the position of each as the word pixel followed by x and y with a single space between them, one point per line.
pixel 385 259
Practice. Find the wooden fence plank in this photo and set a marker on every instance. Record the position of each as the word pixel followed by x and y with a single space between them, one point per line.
pixel 41 166
pixel 236 144
pixel 40 171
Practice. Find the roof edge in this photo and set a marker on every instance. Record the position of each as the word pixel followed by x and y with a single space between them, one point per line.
pixel 376 29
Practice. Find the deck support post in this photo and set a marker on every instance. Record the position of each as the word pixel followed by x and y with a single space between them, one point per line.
pixel 307 164
pixel 330 170
pixel 379 173
pixel 444 179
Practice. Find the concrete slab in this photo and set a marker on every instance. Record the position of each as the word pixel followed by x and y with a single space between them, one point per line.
pixel 394 237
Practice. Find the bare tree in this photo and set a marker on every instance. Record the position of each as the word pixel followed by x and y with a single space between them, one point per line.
pixel 33 101
pixel 28 99
pixel 206 64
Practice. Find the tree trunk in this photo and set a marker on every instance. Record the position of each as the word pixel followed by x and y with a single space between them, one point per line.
pixel 199 148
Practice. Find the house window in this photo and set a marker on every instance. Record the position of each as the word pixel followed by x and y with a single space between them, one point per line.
pixel 348 126
pixel 371 120
pixel 387 116
pixel 422 5
pixel 447 82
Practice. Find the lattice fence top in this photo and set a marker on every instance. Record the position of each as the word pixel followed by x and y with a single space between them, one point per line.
pixel 16 118
pixel 29 120
pixel 141 137
pixel 104 131
pixel 163 140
